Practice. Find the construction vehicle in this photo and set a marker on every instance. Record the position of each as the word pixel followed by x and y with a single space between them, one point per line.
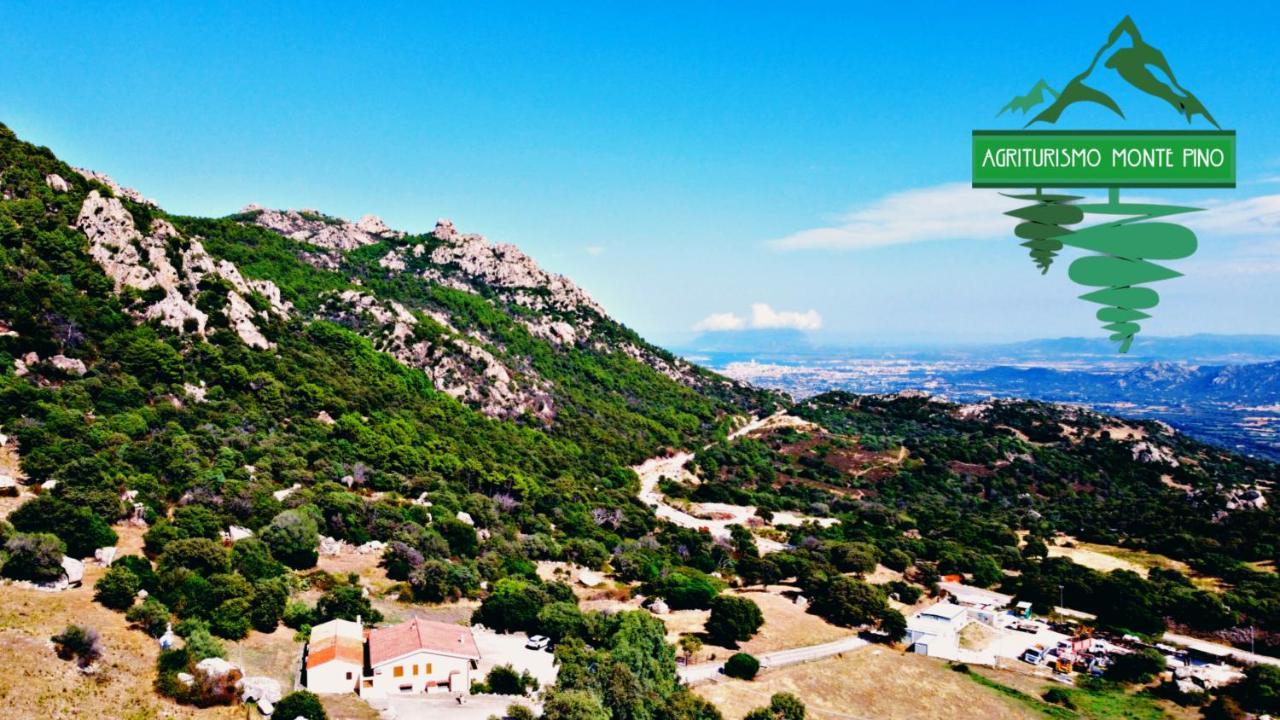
pixel 1033 655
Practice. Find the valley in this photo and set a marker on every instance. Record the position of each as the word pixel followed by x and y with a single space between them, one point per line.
pixel 1235 406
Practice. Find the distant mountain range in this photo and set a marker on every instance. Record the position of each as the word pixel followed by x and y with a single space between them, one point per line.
pixel 1204 348
pixel 1159 382
pixel 1223 389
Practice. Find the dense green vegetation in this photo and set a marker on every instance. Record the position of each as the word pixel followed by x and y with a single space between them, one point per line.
pixel 921 488
pixel 132 430
pixel 199 434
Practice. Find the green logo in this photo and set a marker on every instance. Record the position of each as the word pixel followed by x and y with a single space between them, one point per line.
pixel 1127 237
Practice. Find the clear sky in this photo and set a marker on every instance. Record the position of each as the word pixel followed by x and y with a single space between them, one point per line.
pixel 660 154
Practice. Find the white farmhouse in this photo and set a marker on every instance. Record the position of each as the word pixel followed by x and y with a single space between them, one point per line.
pixel 419 656
pixel 334 657
pixel 936 630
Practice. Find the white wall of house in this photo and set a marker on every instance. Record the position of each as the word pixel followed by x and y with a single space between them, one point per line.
pixel 418 672
pixel 333 677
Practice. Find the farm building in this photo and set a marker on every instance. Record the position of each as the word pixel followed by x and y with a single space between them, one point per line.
pixel 419 656
pixel 334 658
pixel 936 630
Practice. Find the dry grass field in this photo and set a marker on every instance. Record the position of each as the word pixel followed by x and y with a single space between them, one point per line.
pixel 1105 558
pixel 870 683
pixel 37 684
pixel 786 625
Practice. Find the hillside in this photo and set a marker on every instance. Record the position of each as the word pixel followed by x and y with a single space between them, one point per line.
pixel 460 415
pixel 174 355
pixel 976 490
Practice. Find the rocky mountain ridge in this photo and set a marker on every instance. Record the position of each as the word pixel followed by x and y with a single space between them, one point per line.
pixel 549 306
pixel 482 321
pixel 168 270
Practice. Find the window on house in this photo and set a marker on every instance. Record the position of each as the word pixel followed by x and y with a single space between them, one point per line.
pixel 428 670
pixel 415 668
pixel 368 683
pixel 398 671
pixel 406 688
pixel 348 676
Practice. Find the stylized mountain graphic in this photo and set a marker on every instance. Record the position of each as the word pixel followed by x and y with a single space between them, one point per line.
pixel 1034 96
pixel 1136 64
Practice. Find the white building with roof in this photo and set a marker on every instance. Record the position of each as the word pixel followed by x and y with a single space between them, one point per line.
pixel 334 657
pixel 419 657
pixel 936 630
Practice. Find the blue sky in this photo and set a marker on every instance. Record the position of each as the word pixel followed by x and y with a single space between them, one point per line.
pixel 656 153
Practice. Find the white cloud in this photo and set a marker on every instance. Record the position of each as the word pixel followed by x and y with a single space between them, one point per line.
pixel 763 316
pixel 1251 216
pixel 595 250
pixel 718 322
pixel 953 211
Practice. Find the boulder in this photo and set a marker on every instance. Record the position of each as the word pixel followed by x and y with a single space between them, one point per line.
pixel 373 225
pixel 215 667
pixel 373 547
pixel 72 570
pixel 57 183
pixel 70 366
pixel 330 546
pixel 259 687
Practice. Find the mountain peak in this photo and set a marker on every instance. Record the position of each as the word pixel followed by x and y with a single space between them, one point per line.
pixel 1134 64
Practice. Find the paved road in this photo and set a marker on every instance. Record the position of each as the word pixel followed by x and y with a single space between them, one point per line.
pixel 1219 649
pixel 704 672
pixel 446 707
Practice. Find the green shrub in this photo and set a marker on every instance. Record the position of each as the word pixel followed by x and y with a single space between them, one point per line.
pixel 117 588
pixel 1138 667
pixel 1059 696
pixel 733 619
pixel 37 558
pixel 742 666
pixel 300 704
pixel 150 615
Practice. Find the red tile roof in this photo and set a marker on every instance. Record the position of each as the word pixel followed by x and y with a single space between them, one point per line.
pixel 395 641
pixel 335 647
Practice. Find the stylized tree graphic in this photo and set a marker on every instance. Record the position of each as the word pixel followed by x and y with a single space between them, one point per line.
pixel 1042 226
pixel 1121 265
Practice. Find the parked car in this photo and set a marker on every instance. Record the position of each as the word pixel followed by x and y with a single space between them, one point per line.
pixel 538 642
pixel 1033 655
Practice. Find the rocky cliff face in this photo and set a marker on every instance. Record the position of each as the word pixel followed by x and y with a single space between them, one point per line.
pixel 457 364
pixel 331 236
pixel 549 306
pixel 522 343
pixel 171 271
